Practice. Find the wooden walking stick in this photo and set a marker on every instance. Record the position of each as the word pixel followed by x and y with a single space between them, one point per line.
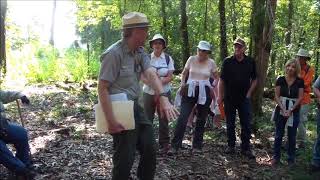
pixel 19 110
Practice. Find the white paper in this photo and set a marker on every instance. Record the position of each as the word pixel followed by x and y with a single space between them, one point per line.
pixel 119 97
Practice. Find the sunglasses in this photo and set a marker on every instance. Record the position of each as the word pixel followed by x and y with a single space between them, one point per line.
pixel 204 51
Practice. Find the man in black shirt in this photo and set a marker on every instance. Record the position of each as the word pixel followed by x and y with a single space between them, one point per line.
pixel 237 82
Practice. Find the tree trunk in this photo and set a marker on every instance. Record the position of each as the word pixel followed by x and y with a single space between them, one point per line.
pixel 104 34
pixel 289 27
pixel 263 33
pixel 51 41
pixel 3 10
pixel 164 19
pixel 234 19
pixel 184 31
pixel 223 30
pixel 318 50
pixel 205 22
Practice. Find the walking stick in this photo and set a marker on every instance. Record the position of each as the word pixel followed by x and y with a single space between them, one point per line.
pixel 19 110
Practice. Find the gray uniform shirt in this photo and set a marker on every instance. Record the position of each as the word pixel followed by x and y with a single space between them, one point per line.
pixel 122 68
pixel 317 83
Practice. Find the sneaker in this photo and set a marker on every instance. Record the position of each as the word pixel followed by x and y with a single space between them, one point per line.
pixel 196 151
pixel 230 150
pixel 274 162
pixel 164 149
pixel 172 151
pixel 249 154
pixel 189 130
pixel 291 164
pixel 302 145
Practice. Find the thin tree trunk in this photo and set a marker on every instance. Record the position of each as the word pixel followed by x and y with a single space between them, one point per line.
pixel 164 19
pixel 184 31
pixel 289 27
pixel 223 30
pixel 205 26
pixel 51 41
pixel 122 7
pixel 318 50
pixel 104 34
pixel 3 10
pixel 88 54
pixel 262 46
pixel 234 19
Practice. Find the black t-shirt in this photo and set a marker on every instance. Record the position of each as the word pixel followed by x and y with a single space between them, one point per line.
pixel 293 90
pixel 237 77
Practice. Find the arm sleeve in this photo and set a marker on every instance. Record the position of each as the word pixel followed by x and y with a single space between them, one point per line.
pixel 278 81
pixel 317 83
pixel 223 73
pixel 214 66
pixel 254 71
pixel 187 66
pixel 309 77
pixel 301 84
pixel 9 96
pixel 110 66
pixel 145 61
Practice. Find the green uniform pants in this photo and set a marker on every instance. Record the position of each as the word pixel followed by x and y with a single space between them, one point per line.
pixel 126 144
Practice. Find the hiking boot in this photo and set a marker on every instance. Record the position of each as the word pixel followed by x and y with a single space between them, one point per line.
pixel 248 153
pixel 230 150
pixel 314 168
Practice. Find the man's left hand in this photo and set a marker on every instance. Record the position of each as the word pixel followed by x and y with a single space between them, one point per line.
pixel 168 109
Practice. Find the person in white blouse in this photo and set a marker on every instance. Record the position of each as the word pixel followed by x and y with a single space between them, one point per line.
pixel 164 66
pixel 196 89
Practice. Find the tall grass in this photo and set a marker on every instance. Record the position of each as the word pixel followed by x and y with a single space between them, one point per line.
pixel 45 64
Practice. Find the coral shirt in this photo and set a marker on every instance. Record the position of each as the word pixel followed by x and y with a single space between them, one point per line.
pixel 307 74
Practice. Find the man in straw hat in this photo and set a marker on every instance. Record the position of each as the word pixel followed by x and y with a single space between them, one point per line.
pixel 237 81
pixel 122 65
pixel 307 74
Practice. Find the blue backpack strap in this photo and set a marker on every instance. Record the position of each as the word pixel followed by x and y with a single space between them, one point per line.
pixel 167 58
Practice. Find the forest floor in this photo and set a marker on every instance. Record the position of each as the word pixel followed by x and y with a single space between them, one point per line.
pixel 65 145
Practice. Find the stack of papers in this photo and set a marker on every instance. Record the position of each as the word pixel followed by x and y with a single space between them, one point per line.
pixel 122 109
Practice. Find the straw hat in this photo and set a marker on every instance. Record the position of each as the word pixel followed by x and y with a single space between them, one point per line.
pixel 134 20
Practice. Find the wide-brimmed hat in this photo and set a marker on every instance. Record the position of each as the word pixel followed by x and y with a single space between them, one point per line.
pixel 134 20
pixel 239 41
pixel 204 45
pixel 158 37
pixel 303 53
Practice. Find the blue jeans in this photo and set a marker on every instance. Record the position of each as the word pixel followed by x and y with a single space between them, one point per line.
pixel 17 136
pixel 316 148
pixel 280 123
pixel 187 104
pixel 245 116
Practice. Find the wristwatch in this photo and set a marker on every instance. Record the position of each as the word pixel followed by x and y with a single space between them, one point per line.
pixel 163 94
